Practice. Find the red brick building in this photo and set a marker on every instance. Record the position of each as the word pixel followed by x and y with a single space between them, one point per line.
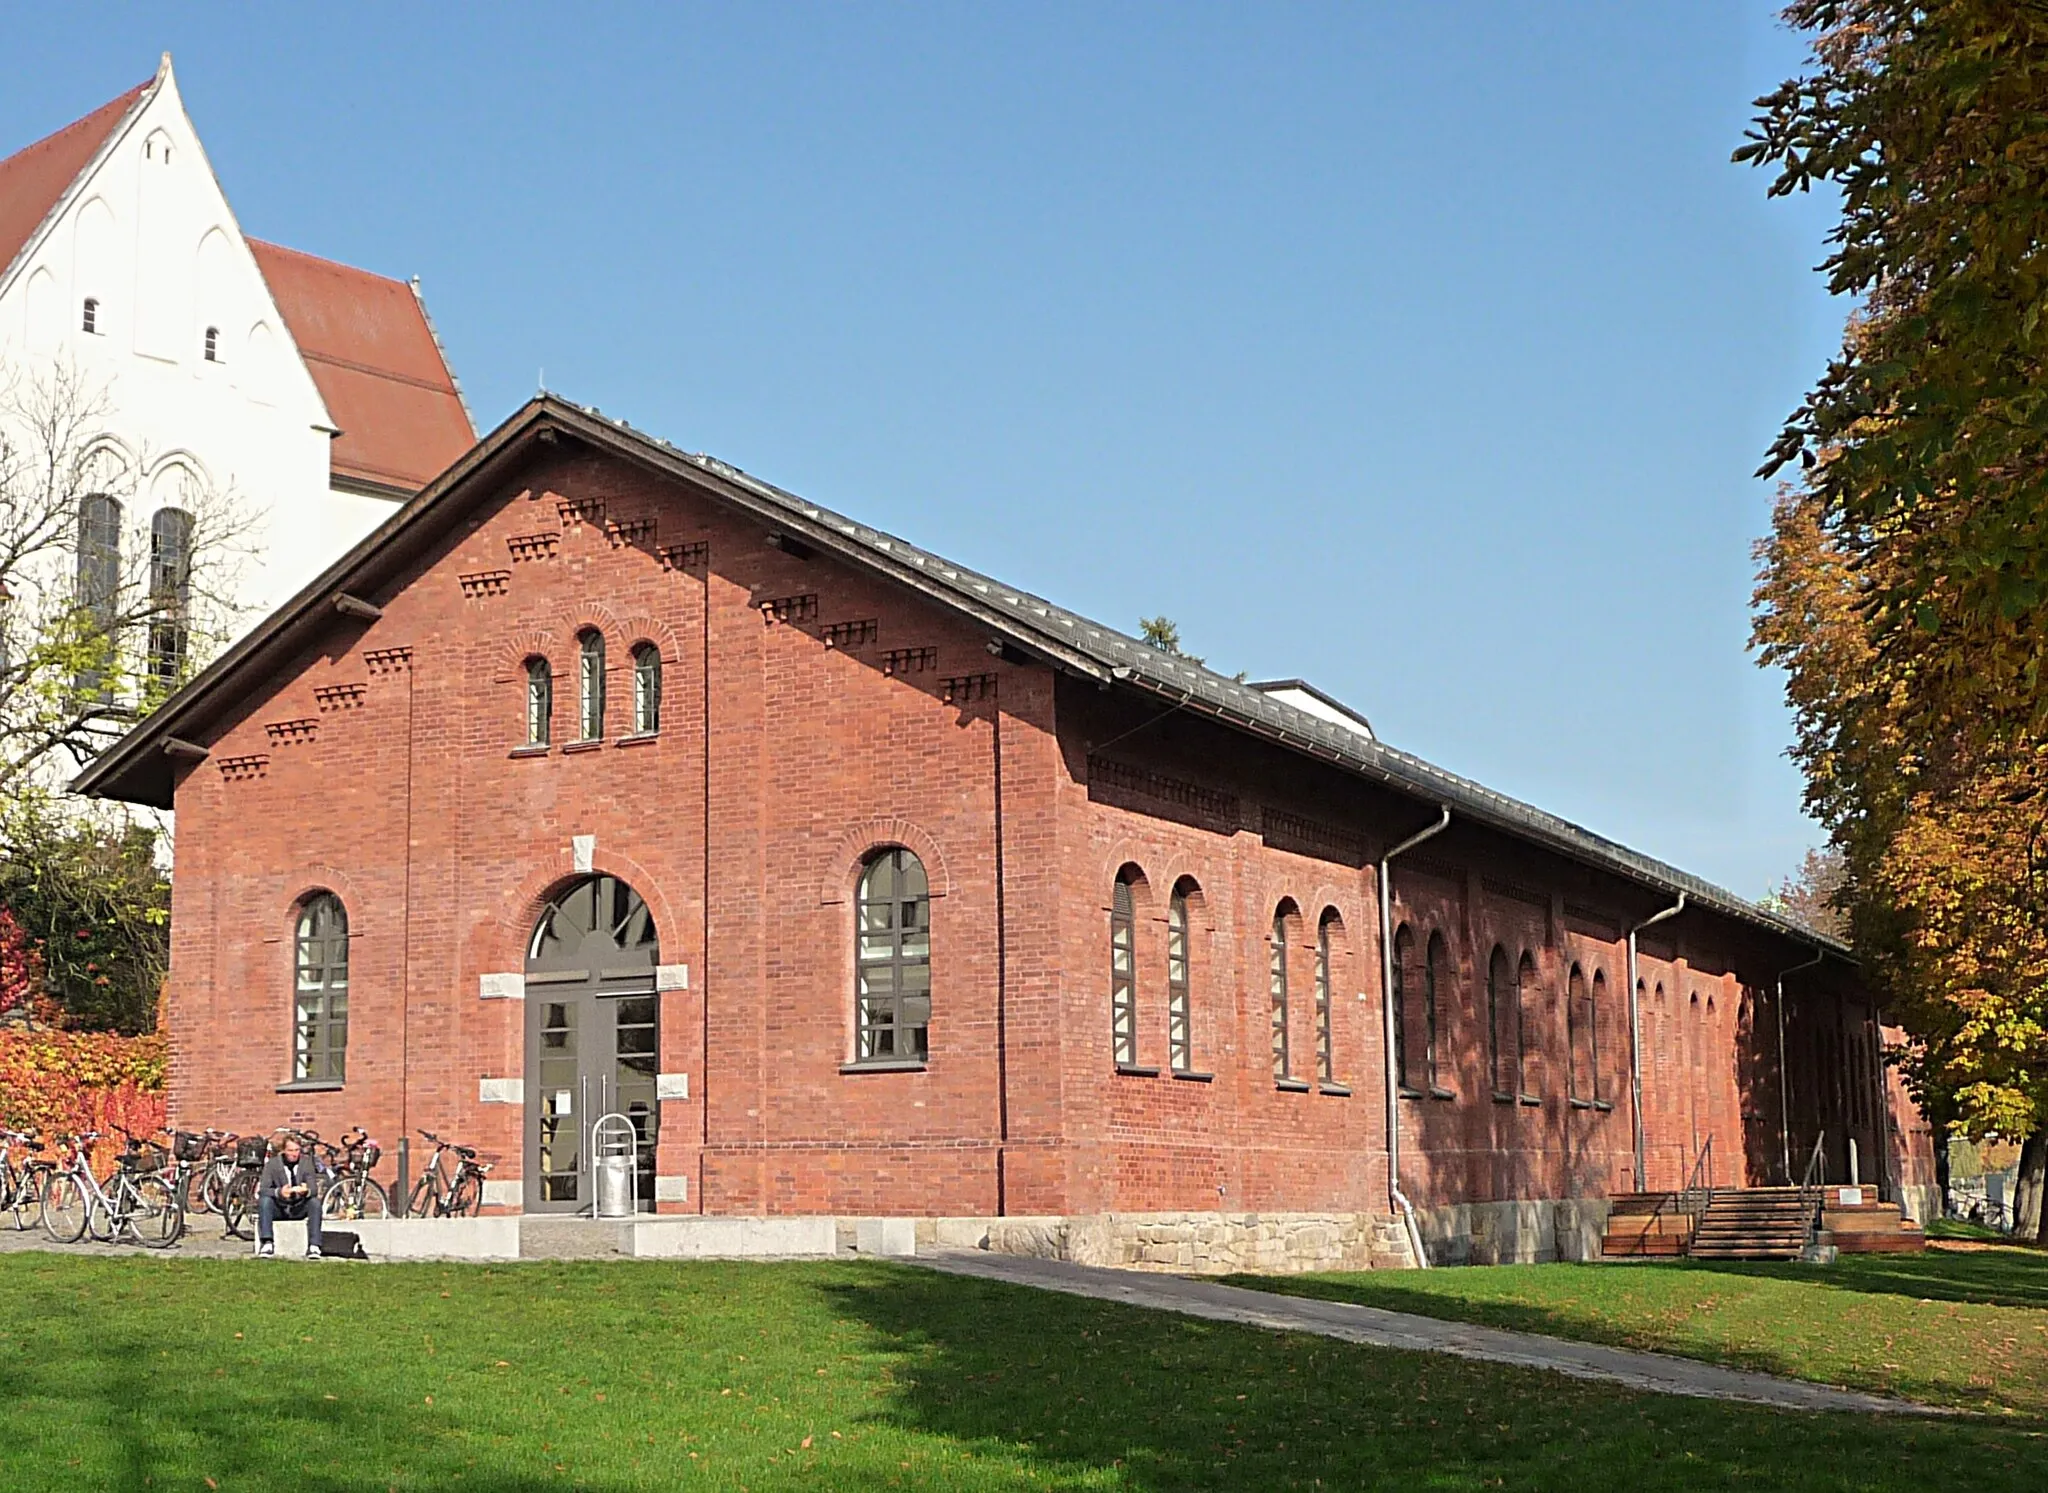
pixel 604 776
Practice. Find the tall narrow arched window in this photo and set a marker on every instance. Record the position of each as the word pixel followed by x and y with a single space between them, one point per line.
pixel 170 595
pixel 98 592
pixel 1436 978
pixel 320 1000
pixel 1276 971
pixel 1596 1002
pixel 646 689
pixel 1500 1035
pixel 1123 975
pixel 1578 1069
pixel 540 702
pixel 1527 988
pixel 1404 1053
pixel 892 959
pixel 1180 1035
pixel 1327 929
pixel 89 315
pixel 590 684
pixel 211 348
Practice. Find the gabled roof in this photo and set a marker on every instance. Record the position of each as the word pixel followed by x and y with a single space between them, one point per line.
pixel 373 355
pixel 34 179
pixel 140 767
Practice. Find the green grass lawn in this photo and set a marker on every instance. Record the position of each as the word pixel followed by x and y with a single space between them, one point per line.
pixel 1946 1327
pixel 135 1373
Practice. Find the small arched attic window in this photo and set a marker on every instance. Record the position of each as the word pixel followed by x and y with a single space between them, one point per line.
pixel 212 347
pixel 89 315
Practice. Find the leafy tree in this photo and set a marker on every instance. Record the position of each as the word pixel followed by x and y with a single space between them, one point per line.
pixel 1813 896
pixel 87 891
pixel 1904 587
pixel 1163 633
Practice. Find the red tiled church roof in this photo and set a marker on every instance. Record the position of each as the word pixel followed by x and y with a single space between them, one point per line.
pixel 365 338
pixel 366 341
pixel 33 179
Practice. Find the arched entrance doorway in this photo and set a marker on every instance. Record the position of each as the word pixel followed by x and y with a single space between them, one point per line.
pixel 593 1037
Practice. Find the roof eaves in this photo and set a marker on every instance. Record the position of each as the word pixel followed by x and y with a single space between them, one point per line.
pixel 143 94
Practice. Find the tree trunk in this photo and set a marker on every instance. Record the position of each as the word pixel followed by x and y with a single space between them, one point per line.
pixel 2030 1219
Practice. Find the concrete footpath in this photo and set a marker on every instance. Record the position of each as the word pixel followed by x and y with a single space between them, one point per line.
pixel 1656 1372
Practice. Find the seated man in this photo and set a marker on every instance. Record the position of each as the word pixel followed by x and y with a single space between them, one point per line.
pixel 290 1188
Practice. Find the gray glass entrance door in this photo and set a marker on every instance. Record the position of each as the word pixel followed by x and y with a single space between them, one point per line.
pixel 593 1039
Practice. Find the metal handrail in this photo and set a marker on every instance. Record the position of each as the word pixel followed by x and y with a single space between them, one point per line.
pixel 1811 1186
pixel 1697 1195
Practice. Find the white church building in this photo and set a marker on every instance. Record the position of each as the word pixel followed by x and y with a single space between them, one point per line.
pixel 317 394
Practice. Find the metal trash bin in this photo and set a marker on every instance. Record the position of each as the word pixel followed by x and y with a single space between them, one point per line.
pixel 615 1145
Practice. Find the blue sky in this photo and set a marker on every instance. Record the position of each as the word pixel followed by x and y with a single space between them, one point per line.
pixel 1421 351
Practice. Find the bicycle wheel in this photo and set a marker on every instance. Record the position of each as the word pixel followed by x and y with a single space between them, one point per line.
pixel 467 1199
pixel 239 1203
pixel 27 1200
pixel 354 1198
pixel 423 1203
pixel 151 1213
pixel 213 1195
pixel 66 1208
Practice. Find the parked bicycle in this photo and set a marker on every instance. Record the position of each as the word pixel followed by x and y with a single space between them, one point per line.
pixel 354 1193
pixel 238 1193
pixel 24 1173
pixel 445 1190
pixel 135 1201
pixel 203 1163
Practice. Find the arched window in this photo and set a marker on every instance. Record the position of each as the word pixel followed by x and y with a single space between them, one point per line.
pixel 320 1045
pixel 1578 1070
pixel 1436 976
pixel 98 584
pixel 1528 1074
pixel 1328 926
pixel 646 689
pixel 1123 974
pixel 1276 965
pixel 170 594
pixel 892 957
pixel 89 315
pixel 1180 1036
pixel 1404 1052
pixel 1589 1035
pixel 212 349
pixel 540 702
pixel 1502 1056
pixel 590 684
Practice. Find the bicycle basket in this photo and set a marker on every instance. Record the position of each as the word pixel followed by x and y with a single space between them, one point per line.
pixel 251 1150
pixel 148 1157
pixel 368 1155
pixel 187 1146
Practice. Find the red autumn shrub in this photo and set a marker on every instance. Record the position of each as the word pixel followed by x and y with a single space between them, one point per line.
pixel 59 1083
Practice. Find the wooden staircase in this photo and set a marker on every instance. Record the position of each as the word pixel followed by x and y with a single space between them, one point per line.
pixel 1753 1223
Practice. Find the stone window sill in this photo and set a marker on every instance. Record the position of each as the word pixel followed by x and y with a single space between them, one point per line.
pixel 885 1065
pixel 1582 1104
pixel 569 747
pixel 1440 1093
pixel 1191 1076
pixel 1133 1070
pixel 638 738
pixel 532 749
pixel 1531 1100
pixel 1291 1085
pixel 1336 1090
pixel 1603 1106
pixel 310 1086
pixel 1500 1098
pixel 1407 1093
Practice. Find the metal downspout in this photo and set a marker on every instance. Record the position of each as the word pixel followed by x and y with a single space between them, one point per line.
pixel 1635 1034
pixel 1784 1079
pixel 1399 1199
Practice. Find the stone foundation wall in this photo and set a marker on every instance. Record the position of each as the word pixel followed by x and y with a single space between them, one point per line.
pixel 1186 1243
pixel 1523 1233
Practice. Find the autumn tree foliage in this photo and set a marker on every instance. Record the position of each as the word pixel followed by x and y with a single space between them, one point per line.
pixel 1904 587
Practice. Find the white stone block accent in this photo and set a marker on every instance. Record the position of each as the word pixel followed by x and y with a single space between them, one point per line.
pixel 501 1091
pixel 501 987
pixel 501 1194
pixel 733 1238
pixel 671 1085
pixel 583 851
pixel 671 977
pixel 439 1238
pixel 671 1189
pixel 885 1236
